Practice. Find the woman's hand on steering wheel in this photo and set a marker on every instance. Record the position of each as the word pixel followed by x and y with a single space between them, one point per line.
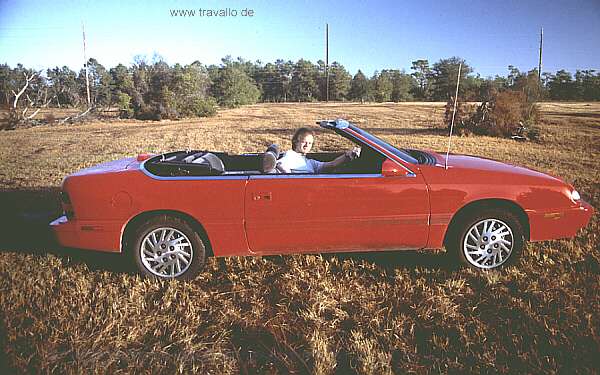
pixel 354 153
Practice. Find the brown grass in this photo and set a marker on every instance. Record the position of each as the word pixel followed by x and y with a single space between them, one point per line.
pixel 75 311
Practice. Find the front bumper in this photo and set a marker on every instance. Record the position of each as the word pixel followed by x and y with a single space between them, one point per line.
pixel 555 224
pixel 85 234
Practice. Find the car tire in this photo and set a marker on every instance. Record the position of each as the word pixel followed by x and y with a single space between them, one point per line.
pixel 488 240
pixel 167 247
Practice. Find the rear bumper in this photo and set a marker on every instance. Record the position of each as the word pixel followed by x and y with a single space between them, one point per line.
pixel 555 224
pixel 92 235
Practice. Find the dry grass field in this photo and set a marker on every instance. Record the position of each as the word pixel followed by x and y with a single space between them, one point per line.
pixel 72 311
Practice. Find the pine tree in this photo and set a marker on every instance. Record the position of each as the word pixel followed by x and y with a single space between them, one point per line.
pixel 359 87
pixel 304 86
pixel 444 75
pixel 339 82
pixel 422 74
pixel 402 86
pixel 383 86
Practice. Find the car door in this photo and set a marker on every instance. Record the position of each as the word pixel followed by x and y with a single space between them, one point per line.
pixel 321 213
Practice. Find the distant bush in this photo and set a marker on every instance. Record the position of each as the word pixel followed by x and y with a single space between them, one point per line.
pixel 464 112
pixel 168 108
pixel 124 105
pixel 235 88
pixel 201 107
pixel 507 111
pixel 149 112
pixel 50 118
pixel 157 111
pixel 12 121
pixel 507 114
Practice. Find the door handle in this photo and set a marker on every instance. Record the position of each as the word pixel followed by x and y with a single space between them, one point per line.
pixel 262 196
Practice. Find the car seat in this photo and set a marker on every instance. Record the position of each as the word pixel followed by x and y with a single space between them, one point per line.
pixel 211 160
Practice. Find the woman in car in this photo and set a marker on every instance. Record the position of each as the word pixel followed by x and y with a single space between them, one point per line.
pixel 295 160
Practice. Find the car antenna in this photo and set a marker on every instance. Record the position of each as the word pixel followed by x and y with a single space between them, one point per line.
pixel 453 114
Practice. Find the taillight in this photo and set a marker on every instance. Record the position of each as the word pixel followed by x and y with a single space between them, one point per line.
pixel 142 157
pixel 67 207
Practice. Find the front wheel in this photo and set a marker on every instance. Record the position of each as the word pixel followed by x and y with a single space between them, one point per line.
pixel 167 247
pixel 488 240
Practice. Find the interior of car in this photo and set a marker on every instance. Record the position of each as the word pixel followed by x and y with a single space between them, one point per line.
pixel 204 163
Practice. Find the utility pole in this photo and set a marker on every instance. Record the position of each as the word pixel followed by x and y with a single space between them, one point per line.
pixel 85 64
pixel 327 62
pixel 540 63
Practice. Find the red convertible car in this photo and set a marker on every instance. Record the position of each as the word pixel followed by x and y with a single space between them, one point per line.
pixel 170 211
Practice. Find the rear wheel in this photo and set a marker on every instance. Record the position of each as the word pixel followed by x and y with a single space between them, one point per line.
pixel 167 247
pixel 488 240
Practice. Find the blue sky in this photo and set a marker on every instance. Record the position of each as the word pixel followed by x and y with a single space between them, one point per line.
pixel 372 35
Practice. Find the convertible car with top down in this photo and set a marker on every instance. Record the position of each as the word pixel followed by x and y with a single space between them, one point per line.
pixel 170 211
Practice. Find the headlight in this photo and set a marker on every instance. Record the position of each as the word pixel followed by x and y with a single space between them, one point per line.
pixel 575 195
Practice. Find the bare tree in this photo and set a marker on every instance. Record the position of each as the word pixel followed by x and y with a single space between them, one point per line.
pixel 45 102
pixel 16 116
pixel 28 79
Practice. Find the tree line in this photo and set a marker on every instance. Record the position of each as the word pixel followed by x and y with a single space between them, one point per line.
pixel 155 89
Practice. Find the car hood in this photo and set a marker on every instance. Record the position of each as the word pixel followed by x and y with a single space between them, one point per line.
pixel 477 163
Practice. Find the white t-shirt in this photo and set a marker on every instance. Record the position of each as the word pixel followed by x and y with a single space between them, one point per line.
pixel 293 162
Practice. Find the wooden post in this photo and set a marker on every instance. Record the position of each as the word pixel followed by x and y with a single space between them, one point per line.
pixel 327 62
pixel 540 63
pixel 85 64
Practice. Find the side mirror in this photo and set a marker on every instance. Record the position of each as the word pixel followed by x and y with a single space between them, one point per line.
pixel 393 169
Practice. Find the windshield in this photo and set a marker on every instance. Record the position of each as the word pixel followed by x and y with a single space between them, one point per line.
pixel 383 144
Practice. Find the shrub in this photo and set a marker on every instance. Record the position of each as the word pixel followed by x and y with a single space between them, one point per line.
pixel 50 118
pixel 464 112
pixel 124 105
pixel 162 106
pixel 234 88
pixel 201 107
pixel 147 112
pixel 13 120
pixel 506 114
pixel 166 106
